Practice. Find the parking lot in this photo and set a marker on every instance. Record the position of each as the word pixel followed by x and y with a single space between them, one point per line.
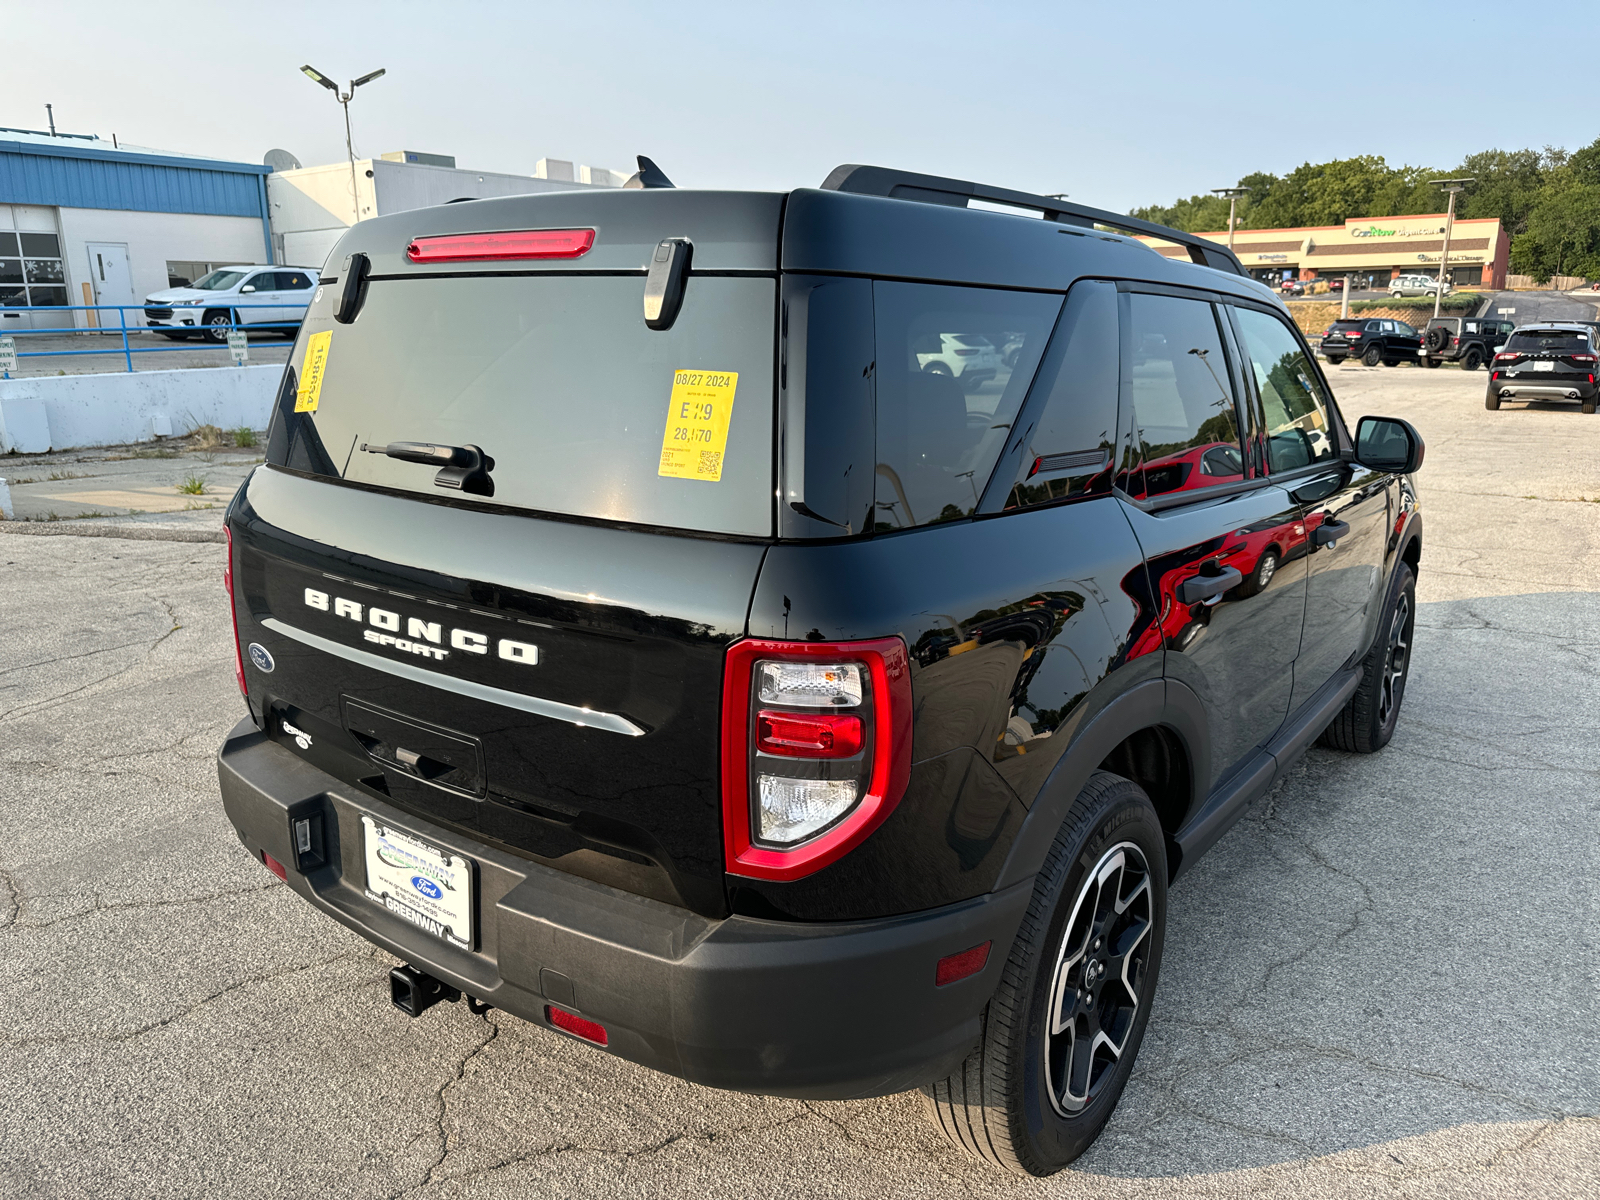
pixel 1381 983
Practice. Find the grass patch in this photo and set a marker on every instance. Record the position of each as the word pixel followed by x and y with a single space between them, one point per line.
pixel 1459 302
pixel 244 437
pixel 192 485
pixel 207 437
pixel 56 476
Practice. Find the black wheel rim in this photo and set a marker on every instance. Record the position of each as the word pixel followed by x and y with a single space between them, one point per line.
pixel 1396 658
pixel 1098 985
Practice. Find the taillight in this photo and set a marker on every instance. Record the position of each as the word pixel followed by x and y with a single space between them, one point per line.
pixel 1503 357
pixel 816 750
pixel 965 353
pixel 1455 341
pixel 233 612
pixel 496 247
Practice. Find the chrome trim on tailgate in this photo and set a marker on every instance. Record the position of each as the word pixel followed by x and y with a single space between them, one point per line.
pixel 583 717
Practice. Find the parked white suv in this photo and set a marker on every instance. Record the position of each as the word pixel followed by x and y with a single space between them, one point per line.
pixel 1416 285
pixel 969 357
pixel 275 297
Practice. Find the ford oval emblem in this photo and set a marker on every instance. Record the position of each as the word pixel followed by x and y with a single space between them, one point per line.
pixel 260 656
pixel 427 887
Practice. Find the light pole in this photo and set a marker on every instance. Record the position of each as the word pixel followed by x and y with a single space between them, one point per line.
pixel 1452 186
pixel 349 146
pixel 1233 195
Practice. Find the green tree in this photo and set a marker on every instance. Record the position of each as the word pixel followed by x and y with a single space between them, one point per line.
pixel 1562 234
pixel 1505 184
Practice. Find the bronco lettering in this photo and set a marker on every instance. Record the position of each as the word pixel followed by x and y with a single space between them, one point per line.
pixel 420 633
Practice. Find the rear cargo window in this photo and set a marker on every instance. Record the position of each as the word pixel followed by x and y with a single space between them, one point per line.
pixel 1553 342
pixel 558 380
pixel 953 366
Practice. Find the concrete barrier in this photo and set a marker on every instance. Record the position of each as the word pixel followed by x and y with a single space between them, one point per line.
pixel 69 412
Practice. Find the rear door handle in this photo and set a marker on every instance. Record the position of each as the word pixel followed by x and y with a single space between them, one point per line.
pixel 1203 587
pixel 1329 532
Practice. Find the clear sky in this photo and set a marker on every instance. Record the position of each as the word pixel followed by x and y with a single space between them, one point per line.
pixel 1116 105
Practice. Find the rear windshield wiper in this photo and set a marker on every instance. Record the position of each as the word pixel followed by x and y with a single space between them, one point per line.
pixel 461 468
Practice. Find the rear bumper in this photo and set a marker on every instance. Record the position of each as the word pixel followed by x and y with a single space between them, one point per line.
pixel 1580 389
pixel 815 1011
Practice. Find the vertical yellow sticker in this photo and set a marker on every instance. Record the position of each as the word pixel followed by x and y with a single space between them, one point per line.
pixel 697 424
pixel 311 375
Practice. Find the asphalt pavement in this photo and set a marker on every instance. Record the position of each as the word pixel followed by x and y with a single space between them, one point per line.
pixel 1382 983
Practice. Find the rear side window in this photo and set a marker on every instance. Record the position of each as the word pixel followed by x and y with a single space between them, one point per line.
pixel 1067 447
pixel 1185 420
pixel 557 379
pixel 953 365
pixel 1557 341
pixel 1296 412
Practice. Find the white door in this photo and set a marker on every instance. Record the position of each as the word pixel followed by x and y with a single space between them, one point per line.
pixel 112 283
pixel 264 293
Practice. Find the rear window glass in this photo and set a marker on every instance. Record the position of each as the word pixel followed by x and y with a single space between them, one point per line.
pixel 1551 342
pixel 557 379
pixel 1349 326
pixel 953 366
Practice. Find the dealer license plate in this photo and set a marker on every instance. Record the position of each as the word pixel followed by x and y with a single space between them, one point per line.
pixel 1544 366
pixel 430 887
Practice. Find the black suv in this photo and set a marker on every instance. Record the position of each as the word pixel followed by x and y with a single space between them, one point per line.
pixel 1470 341
pixel 638 636
pixel 1373 340
pixel 1548 361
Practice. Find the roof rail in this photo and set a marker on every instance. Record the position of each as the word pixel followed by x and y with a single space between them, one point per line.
pixel 954 193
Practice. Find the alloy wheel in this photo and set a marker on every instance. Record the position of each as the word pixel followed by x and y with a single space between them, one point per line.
pixel 1395 660
pixel 1099 978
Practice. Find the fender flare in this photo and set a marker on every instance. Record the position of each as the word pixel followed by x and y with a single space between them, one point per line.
pixel 1166 703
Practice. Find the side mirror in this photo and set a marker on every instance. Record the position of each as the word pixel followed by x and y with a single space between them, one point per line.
pixel 1388 444
pixel 249 287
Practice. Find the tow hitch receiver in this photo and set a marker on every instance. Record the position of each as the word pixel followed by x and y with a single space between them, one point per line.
pixel 414 992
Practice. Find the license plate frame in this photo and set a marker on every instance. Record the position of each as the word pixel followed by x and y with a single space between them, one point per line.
pixel 426 885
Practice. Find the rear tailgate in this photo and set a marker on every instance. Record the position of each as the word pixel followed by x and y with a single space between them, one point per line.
pixel 1549 357
pixel 536 659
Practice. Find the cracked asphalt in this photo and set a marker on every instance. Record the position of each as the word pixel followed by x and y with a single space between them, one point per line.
pixel 1382 983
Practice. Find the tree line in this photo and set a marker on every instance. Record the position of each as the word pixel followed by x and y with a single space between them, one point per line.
pixel 1547 200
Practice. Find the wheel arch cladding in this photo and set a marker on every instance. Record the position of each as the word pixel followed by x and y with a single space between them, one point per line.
pixel 1158 730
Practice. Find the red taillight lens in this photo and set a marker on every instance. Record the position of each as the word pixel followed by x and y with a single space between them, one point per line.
pixel 276 867
pixel 1503 357
pixel 589 1031
pixel 808 735
pixel 496 247
pixel 816 751
pixel 959 966
pixel 233 612
pixel 965 353
pixel 1455 341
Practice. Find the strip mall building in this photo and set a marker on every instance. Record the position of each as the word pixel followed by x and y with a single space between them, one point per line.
pixel 1373 249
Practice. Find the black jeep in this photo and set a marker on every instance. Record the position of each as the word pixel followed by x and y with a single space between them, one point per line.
pixel 1470 341
pixel 638 637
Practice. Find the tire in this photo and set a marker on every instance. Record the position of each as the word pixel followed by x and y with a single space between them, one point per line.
pixel 217 324
pixel 1431 363
pixel 1586 406
pixel 1003 1104
pixel 1491 400
pixel 1472 361
pixel 1394 295
pixel 1335 359
pixel 1373 356
pixel 937 368
pixel 1367 721
pixel 1266 567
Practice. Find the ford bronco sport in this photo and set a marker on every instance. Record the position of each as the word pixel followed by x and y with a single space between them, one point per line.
pixel 639 639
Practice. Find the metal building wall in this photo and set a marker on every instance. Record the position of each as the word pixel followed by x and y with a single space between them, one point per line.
pixel 88 178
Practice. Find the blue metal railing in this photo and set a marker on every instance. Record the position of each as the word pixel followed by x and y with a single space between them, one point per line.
pixel 122 328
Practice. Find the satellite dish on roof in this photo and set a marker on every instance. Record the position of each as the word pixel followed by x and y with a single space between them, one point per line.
pixel 281 160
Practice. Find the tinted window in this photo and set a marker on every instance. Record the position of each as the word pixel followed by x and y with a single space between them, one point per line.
pixel 1402 327
pixel 1556 341
pixel 218 281
pixel 557 379
pixel 42 245
pixel 953 366
pixel 1068 442
pixel 1296 412
pixel 8 245
pixel 1185 423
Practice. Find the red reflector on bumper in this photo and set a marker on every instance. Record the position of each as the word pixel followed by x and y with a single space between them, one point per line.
pixel 491 247
pixel 276 867
pixel 589 1031
pixel 958 966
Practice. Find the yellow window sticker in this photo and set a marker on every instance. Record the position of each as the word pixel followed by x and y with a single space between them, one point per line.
pixel 697 424
pixel 311 375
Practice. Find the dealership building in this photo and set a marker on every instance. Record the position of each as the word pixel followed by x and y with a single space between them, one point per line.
pixel 1372 249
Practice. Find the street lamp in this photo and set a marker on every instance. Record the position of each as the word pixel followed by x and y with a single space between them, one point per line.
pixel 349 146
pixel 1233 195
pixel 1452 186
